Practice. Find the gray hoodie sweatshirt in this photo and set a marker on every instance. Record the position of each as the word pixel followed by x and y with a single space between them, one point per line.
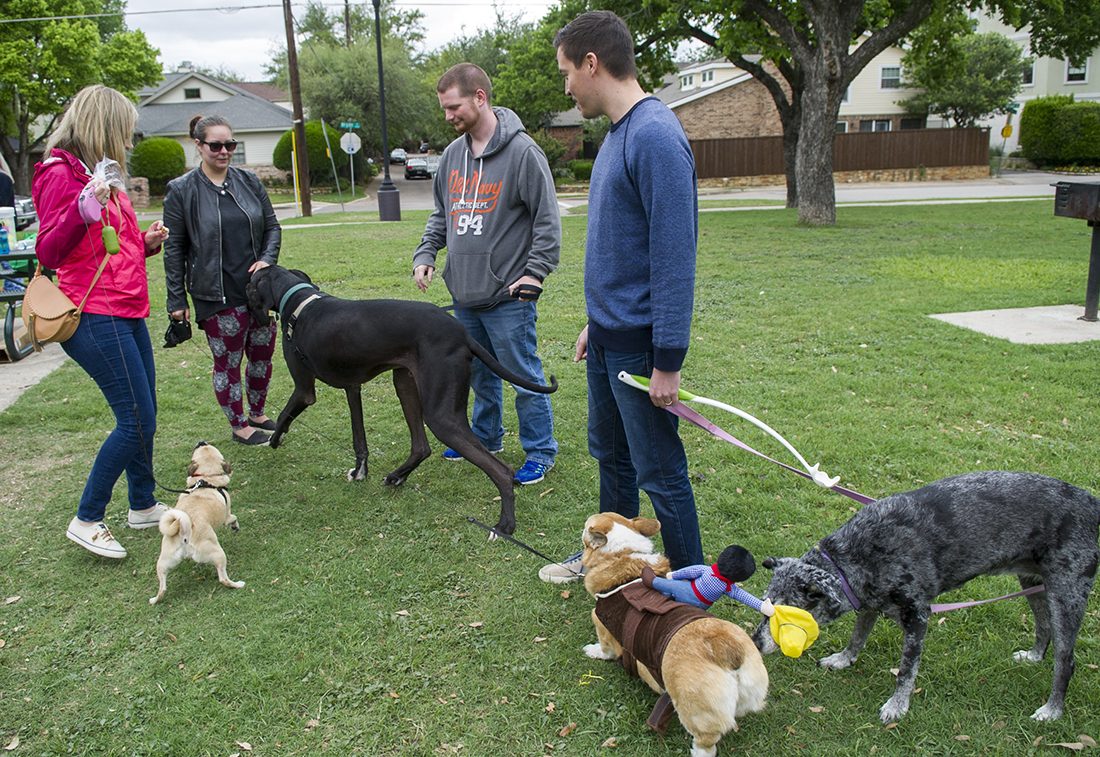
pixel 497 214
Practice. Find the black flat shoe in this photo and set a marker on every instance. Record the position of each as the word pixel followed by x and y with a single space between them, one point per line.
pixel 268 425
pixel 258 439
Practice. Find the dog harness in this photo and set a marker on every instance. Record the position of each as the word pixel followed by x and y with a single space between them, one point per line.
pixel 204 484
pixel 643 620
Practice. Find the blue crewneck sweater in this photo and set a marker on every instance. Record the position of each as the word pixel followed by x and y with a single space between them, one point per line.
pixel 643 224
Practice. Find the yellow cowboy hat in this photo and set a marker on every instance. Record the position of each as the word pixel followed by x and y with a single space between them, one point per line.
pixel 793 629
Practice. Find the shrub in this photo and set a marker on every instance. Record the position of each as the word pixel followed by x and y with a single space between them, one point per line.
pixel 1078 125
pixel 320 167
pixel 582 169
pixel 550 145
pixel 1040 140
pixel 158 159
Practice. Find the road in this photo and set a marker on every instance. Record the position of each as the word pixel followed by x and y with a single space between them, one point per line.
pixel 414 194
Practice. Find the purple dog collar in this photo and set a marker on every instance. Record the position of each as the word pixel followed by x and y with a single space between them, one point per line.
pixel 851 595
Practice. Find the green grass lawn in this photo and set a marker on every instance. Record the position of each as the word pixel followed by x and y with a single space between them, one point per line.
pixel 379 622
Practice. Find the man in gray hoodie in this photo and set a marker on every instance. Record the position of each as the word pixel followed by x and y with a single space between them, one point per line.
pixel 497 214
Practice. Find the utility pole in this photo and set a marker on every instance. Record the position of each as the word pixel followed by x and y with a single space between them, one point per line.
pixel 389 196
pixel 347 23
pixel 301 151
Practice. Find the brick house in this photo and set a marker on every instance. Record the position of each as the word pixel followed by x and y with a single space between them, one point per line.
pixel 715 99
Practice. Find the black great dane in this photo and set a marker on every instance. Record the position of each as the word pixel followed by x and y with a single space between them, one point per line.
pixel 346 343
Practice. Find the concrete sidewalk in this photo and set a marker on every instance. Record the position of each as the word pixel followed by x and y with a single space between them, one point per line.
pixel 16 377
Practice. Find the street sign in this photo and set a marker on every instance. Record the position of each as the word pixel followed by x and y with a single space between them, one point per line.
pixel 349 124
pixel 1006 132
pixel 350 143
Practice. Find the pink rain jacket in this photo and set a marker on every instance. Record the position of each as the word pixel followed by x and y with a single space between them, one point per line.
pixel 75 249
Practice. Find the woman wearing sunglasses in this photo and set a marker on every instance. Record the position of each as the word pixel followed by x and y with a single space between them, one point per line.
pixel 223 230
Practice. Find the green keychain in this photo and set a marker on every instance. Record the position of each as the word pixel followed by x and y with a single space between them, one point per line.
pixel 110 240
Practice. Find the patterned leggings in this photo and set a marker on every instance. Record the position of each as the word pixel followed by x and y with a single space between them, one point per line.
pixel 232 334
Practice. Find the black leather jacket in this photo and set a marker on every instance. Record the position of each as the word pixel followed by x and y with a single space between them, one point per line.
pixel 192 252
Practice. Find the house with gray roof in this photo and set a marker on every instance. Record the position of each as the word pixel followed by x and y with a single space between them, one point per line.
pixel 167 109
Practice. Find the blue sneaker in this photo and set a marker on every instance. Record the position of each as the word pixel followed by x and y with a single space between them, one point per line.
pixel 532 473
pixel 454 457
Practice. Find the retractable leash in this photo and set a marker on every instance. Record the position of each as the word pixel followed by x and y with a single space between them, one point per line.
pixel 812 472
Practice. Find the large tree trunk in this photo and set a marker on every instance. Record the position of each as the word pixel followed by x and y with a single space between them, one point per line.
pixel 22 166
pixel 790 163
pixel 814 158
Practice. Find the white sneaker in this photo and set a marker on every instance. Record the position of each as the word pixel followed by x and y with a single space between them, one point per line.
pixel 566 571
pixel 96 538
pixel 148 518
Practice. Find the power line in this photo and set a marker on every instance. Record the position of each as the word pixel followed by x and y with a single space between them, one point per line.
pixel 235 8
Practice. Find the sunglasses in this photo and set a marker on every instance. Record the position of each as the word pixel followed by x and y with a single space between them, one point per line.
pixel 229 146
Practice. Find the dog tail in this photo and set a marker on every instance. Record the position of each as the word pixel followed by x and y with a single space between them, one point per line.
pixel 176 522
pixel 494 365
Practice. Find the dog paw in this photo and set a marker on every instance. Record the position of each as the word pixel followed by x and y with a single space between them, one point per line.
pixel 392 479
pixel 357 474
pixel 837 661
pixel 154 600
pixel 893 710
pixel 1047 712
pixel 596 652
pixel 235 584
pixel 276 440
pixel 1027 655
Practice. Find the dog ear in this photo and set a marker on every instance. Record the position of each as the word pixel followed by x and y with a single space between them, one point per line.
pixel 595 539
pixel 302 275
pixel 192 469
pixel 646 526
pixel 226 467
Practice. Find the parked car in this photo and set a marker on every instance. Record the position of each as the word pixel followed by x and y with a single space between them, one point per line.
pixel 424 147
pixel 25 214
pixel 433 164
pixel 398 155
pixel 417 168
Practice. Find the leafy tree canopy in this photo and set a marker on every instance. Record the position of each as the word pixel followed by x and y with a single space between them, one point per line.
pixel 487 48
pixel 806 54
pixel 972 76
pixel 44 63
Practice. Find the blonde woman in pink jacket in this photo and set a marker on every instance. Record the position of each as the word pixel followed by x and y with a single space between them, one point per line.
pixel 112 343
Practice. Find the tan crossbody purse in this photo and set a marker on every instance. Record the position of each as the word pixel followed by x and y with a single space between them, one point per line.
pixel 49 315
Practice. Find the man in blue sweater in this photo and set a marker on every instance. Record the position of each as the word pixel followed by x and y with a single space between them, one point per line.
pixel 639 277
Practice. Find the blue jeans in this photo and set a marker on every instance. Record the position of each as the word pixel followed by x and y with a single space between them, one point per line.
pixel 637 447
pixel 117 354
pixel 508 332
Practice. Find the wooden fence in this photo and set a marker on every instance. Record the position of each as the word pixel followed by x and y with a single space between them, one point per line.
pixel 858 151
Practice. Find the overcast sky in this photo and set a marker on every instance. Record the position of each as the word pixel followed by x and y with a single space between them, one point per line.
pixel 242 40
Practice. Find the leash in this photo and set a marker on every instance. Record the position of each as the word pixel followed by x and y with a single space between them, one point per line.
pixel 935 608
pixel 961 605
pixel 524 293
pixel 518 543
pixel 681 410
pixel 108 253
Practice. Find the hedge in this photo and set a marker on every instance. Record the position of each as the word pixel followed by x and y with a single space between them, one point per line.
pixel 1056 130
pixel 158 159
pixel 320 167
pixel 582 169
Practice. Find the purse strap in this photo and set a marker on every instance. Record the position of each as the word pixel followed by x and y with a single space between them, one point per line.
pixel 98 273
